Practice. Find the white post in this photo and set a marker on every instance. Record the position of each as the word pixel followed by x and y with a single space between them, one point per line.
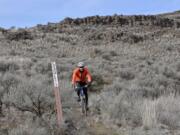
pixel 57 94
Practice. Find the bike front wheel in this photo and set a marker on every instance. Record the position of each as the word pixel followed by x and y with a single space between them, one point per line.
pixel 83 106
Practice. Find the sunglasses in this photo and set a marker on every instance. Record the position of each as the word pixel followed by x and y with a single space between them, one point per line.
pixel 81 68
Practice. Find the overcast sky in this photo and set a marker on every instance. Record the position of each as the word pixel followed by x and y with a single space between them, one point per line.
pixel 27 13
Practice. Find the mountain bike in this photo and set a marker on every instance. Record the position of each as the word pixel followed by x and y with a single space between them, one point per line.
pixel 83 100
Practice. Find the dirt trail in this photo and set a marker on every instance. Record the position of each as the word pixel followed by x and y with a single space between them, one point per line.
pixel 78 124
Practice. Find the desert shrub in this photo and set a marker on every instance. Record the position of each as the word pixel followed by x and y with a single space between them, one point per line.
pixel 178 67
pixel 3 131
pixel 121 108
pixel 164 22
pixel 28 65
pixel 64 67
pixel 162 81
pixel 150 89
pixel 148 92
pixel 154 85
pixel 32 95
pixel 18 35
pixel 43 67
pixel 7 82
pixel 98 83
pixel 116 87
pixel 29 127
pixel 95 52
pixel 136 38
pixel 13 52
pixel 133 39
pixel 121 104
pixel 106 56
pixel 28 130
pixel 127 107
pixel 168 112
pixel 168 72
pixel 127 74
pixel 113 53
pixel 8 66
pixel 109 55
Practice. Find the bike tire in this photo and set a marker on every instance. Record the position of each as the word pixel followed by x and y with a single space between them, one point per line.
pixel 83 106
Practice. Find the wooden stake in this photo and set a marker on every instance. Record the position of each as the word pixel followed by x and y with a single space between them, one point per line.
pixel 57 94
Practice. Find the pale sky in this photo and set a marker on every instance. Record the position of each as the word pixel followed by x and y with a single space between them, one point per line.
pixel 27 13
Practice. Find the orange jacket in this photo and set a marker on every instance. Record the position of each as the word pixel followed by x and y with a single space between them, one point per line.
pixel 84 76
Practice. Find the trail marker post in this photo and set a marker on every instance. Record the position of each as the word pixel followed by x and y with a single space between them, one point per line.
pixel 57 94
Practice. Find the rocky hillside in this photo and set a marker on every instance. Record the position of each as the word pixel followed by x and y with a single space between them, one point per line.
pixel 134 61
pixel 175 15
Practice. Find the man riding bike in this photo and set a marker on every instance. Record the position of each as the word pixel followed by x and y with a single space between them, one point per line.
pixel 81 78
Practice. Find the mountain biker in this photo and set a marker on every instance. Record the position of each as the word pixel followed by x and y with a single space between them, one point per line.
pixel 80 78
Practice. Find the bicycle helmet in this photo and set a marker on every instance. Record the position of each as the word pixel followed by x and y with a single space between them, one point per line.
pixel 81 65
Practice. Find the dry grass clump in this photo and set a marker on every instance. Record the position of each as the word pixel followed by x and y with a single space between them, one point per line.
pixel 168 112
pixel 162 111
pixel 125 110
pixel 149 114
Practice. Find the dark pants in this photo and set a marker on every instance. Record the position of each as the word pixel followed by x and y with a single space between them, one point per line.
pixel 79 85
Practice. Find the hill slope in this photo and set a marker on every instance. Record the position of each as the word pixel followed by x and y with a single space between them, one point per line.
pixel 134 61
